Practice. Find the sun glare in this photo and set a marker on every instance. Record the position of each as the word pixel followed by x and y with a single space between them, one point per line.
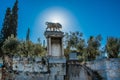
pixel 56 15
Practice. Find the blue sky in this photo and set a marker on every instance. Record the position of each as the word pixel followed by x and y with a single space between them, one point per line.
pixel 92 17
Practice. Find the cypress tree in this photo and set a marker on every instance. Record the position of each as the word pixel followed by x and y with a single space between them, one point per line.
pixel 5 31
pixel 10 24
pixel 28 35
pixel 14 19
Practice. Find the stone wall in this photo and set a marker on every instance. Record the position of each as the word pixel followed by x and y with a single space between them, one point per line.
pixel 29 64
pixel 109 69
pixel 38 69
pixel 55 69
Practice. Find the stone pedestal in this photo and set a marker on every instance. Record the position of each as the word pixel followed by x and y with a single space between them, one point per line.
pixel 55 52
pixel 55 43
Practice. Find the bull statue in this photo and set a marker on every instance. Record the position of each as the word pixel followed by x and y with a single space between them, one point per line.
pixel 53 26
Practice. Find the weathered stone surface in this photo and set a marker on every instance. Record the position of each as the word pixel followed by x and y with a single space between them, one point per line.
pixel 109 69
pixel 79 72
pixel 57 60
pixel 27 65
pixel 36 70
pixel 97 65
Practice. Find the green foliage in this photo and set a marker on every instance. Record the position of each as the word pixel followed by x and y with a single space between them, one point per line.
pixel 87 51
pixel 113 47
pixel 73 38
pixel 73 42
pixel 10 46
pixel 93 45
pixel 27 48
pixel 39 50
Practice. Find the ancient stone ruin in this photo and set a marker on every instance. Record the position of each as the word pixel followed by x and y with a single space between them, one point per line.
pixel 54 65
